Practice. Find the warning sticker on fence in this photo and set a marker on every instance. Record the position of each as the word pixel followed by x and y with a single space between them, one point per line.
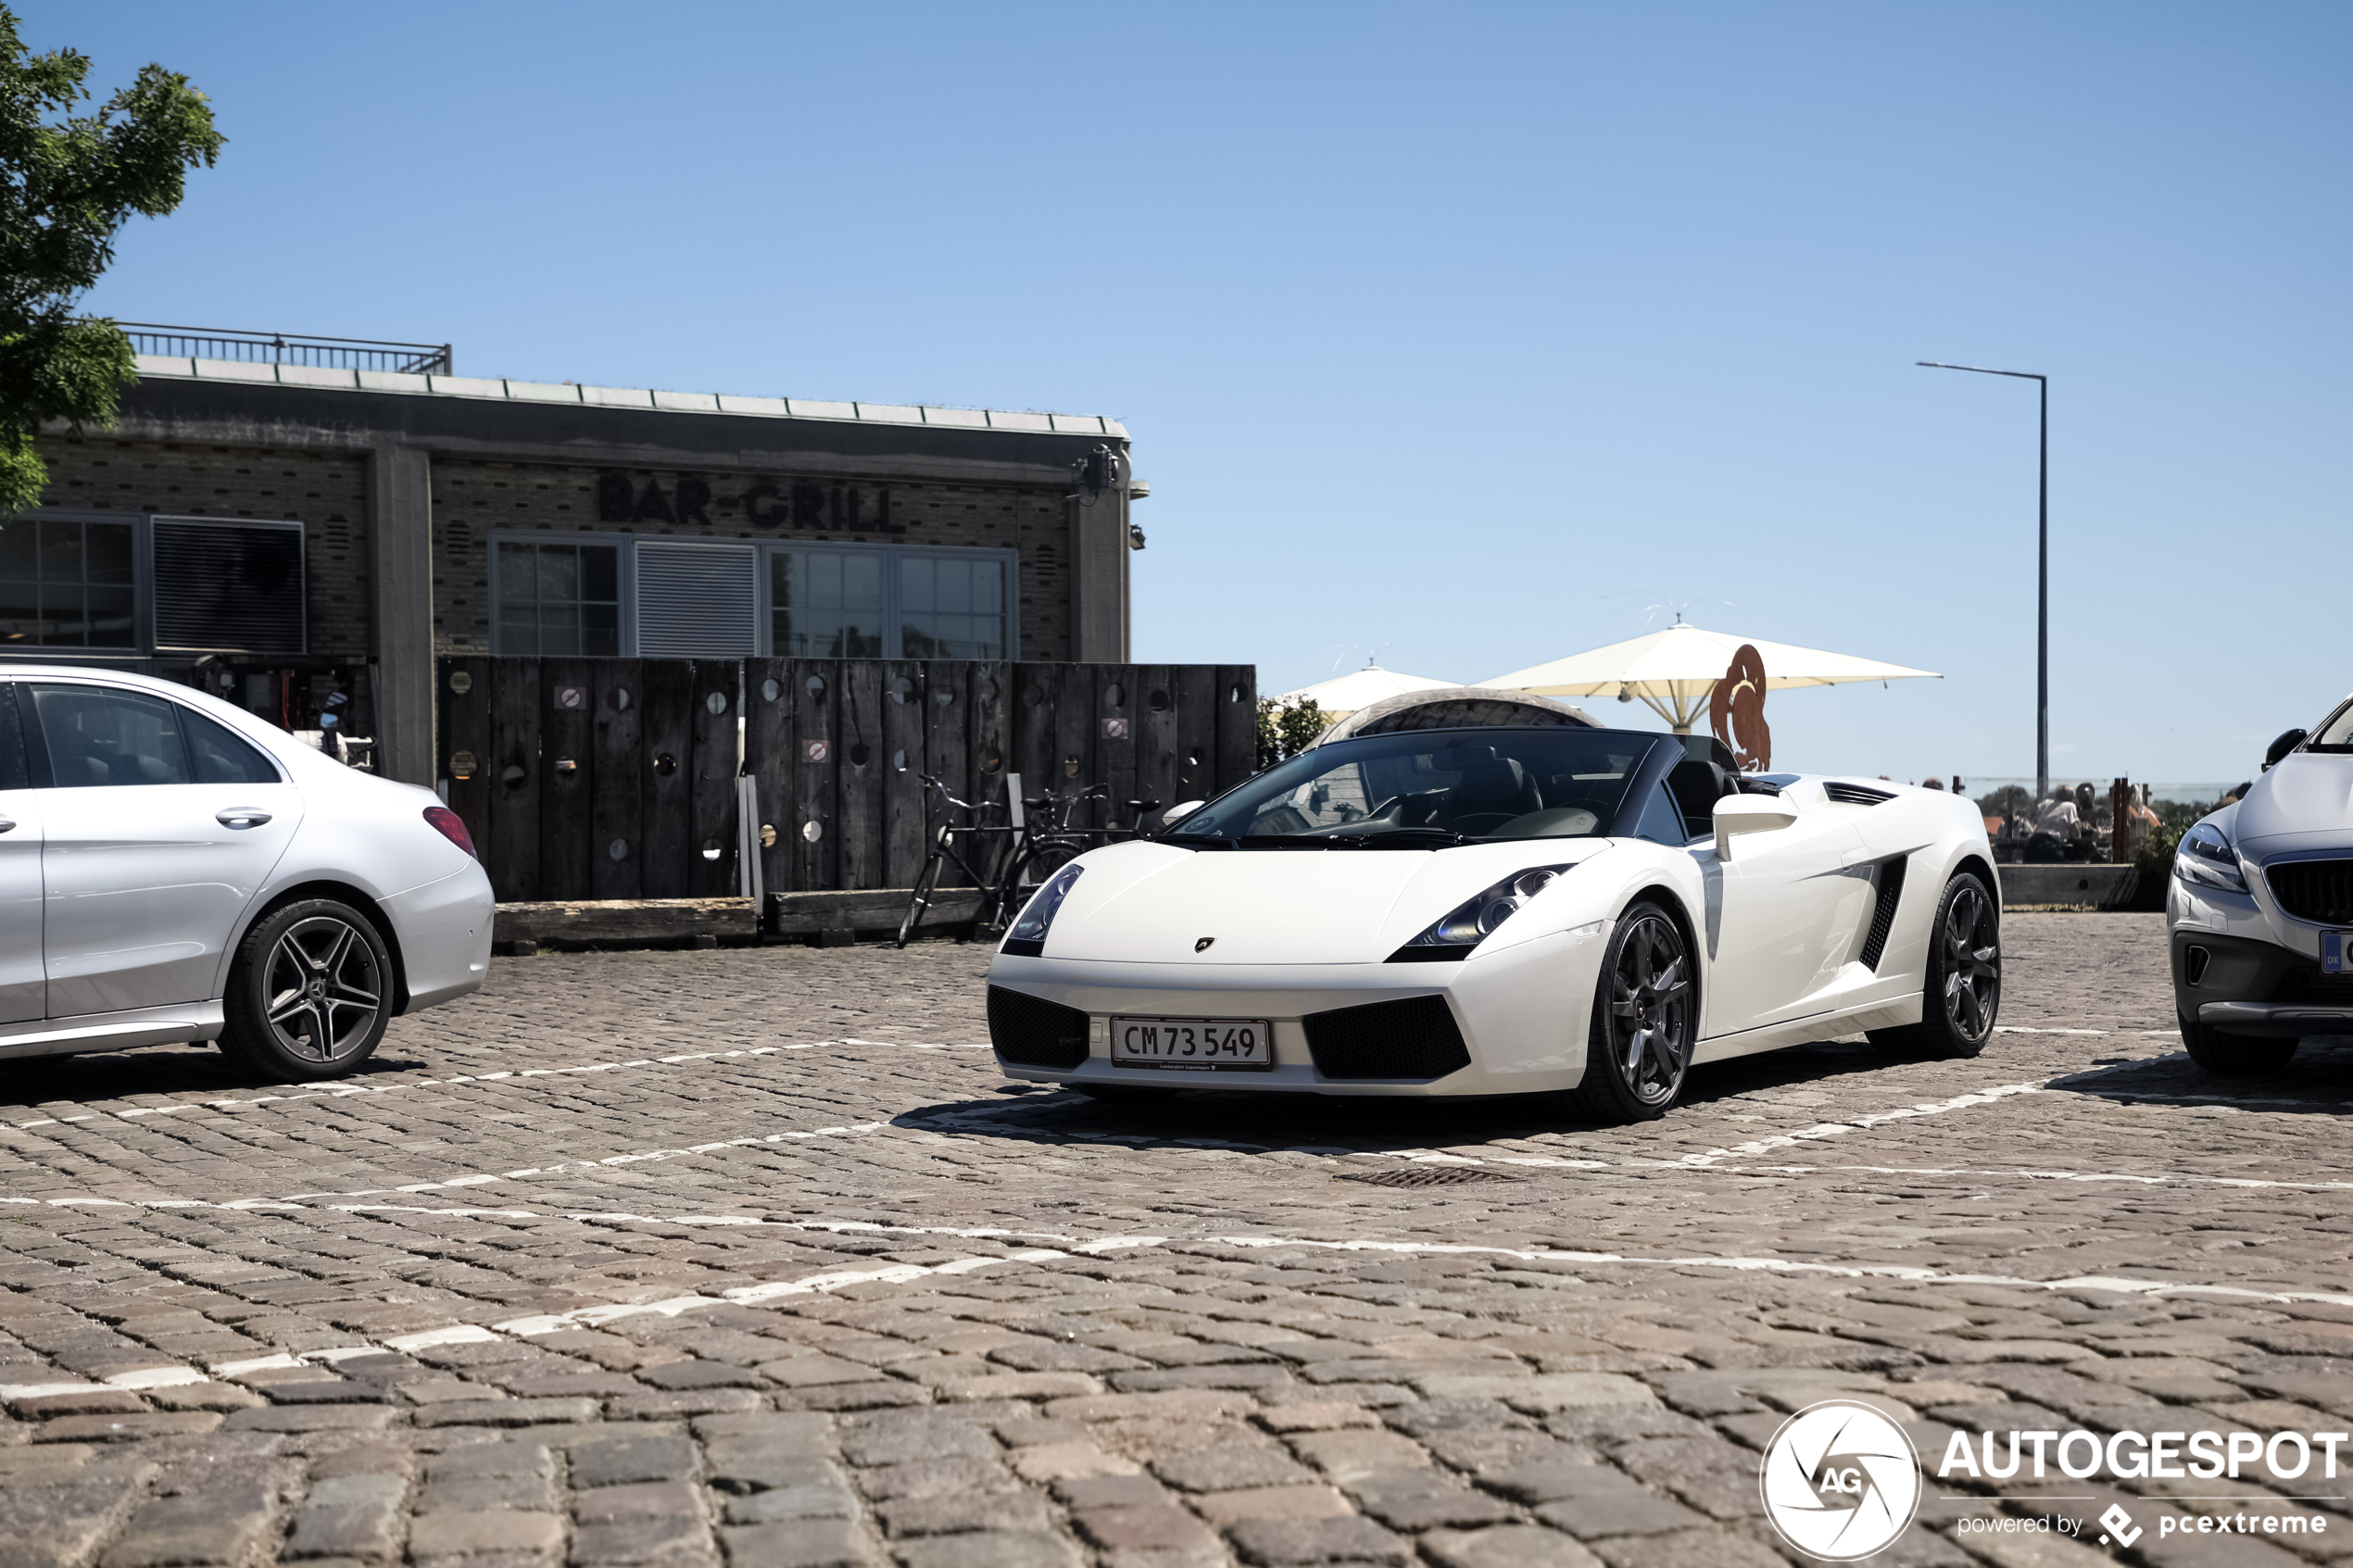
pixel 1114 729
pixel 818 750
pixel 570 697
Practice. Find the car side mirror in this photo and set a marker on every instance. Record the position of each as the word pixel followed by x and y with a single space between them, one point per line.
pixel 1749 813
pixel 1183 808
pixel 2282 747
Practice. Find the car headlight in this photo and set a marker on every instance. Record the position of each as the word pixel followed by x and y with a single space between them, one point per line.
pixel 1473 921
pixel 2208 858
pixel 1028 938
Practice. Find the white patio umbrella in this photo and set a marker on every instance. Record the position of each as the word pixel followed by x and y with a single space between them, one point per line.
pixel 1344 694
pixel 1675 671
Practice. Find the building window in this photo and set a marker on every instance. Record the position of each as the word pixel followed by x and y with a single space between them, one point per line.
pixel 69 583
pixel 826 604
pixel 558 601
pixel 669 599
pixel 951 604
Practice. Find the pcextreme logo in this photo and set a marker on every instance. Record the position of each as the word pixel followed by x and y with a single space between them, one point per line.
pixel 1841 1481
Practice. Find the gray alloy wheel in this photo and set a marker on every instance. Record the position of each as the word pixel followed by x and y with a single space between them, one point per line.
pixel 309 993
pixel 1963 993
pixel 1645 1018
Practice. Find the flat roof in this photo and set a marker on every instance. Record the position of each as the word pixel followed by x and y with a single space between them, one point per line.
pixel 315 378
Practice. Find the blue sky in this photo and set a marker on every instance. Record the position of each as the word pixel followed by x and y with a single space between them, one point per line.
pixel 1469 335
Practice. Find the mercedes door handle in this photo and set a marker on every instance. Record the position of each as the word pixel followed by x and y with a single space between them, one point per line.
pixel 241 817
pixel 7 824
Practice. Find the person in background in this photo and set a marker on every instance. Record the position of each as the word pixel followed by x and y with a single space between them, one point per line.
pixel 2236 792
pixel 1934 782
pixel 2054 827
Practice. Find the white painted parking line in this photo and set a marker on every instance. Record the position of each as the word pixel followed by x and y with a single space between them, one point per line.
pixel 296 1094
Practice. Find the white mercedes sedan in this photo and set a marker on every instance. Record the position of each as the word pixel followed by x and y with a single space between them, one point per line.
pixel 1484 911
pixel 173 869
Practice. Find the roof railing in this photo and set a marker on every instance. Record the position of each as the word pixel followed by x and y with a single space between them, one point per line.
pixel 288 348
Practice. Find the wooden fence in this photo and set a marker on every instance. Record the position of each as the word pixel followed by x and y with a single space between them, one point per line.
pixel 618 778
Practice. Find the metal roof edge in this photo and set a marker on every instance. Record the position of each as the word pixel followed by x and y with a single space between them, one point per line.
pixel 315 378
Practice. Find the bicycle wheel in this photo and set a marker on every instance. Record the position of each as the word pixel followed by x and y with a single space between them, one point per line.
pixel 919 899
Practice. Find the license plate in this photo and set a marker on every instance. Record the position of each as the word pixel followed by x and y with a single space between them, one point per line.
pixel 1193 1045
pixel 2334 946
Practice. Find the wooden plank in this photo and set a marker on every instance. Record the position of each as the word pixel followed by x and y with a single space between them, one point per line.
pixel 991 700
pixel 1074 731
pixel 665 772
pixel 1155 744
pixel 623 922
pixel 946 751
pixel 616 803
pixel 566 776
pixel 862 763
pixel 768 750
pixel 465 739
pixel 1194 763
pixel 514 800
pixel 875 910
pixel 906 707
pixel 813 690
pixel 718 756
pixel 1116 734
pixel 1038 690
pixel 1237 702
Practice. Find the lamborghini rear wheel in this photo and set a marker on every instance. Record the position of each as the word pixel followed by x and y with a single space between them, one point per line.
pixel 1645 1018
pixel 1963 993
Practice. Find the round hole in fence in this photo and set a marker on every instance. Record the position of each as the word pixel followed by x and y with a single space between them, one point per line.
pixel 1070 766
pixel 901 689
pixel 817 688
pixel 1034 696
pixel 1233 694
pixel 716 702
pixel 992 761
pixel 769 691
pixel 618 850
pixel 899 760
pixel 1115 695
pixel 988 691
pixel 943 696
pixel 461 682
pixel 859 754
pixel 711 850
pixel 514 777
pixel 1157 701
pixel 620 699
pixel 813 832
pixel 665 764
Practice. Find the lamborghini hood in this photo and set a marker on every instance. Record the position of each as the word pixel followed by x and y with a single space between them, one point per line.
pixel 1147 903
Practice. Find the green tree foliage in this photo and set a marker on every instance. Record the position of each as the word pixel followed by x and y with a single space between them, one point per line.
pixel 1287 729
pixel 67 182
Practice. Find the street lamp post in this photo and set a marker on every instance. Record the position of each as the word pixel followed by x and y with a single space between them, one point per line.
pixel 2041 575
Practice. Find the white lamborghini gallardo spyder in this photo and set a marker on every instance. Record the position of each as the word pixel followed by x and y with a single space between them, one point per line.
pixel 1485 912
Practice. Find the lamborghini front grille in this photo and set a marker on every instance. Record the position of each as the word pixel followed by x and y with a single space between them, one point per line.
pixel 1413 1038
pixel 1032 1031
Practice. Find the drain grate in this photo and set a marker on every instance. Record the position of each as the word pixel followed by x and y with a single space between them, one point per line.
pixel 1428 1176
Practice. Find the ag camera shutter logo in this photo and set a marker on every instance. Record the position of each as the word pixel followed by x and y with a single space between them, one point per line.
pixel 1841 1481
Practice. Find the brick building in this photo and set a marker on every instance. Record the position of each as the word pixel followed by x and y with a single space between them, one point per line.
pixel 306 539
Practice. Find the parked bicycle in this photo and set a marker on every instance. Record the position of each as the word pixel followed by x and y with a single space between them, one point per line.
pixel 1021 856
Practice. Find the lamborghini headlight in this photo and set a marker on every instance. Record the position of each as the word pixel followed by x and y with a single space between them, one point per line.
pixel 1473 921
pixel 2206 857
pixel 1027 937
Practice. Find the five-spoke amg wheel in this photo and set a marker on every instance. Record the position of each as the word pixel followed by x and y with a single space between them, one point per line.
pixel 309 993
pixel 1964 989
pixel 1645 1018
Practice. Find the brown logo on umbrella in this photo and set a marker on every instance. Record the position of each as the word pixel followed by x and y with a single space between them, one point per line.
pixel 1736 712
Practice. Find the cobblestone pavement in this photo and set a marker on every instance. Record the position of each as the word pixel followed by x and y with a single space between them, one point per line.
pixel 753 1257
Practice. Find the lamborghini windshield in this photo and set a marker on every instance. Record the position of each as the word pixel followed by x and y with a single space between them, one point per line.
pixel 1431 786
